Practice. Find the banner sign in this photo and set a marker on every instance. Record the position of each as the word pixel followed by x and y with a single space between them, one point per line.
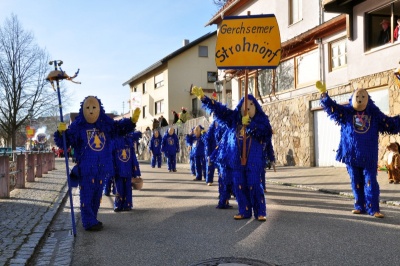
pixel 30 132
pixel 248 42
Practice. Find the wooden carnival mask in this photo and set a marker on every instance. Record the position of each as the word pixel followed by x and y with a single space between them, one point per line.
pixel 91 109
pixel 360 100
pixel 171 131
pixel 197 131
pixel 251 109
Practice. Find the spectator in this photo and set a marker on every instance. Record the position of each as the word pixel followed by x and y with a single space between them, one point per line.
pixel 183 116
pixel 396 31
pixel 156 124
pixel 163 121
pixel 176 117
pixel 384 35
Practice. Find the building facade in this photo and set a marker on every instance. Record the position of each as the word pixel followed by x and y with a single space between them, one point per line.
pixel 165 86
pixel 332 41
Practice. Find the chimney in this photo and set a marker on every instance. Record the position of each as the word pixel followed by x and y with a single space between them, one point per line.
pixel 185 42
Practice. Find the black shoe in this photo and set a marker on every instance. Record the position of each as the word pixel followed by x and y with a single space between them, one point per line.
pixel 174 170
pixel 96 227
pixel 117 210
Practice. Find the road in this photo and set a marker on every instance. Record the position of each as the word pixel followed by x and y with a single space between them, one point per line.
pixel 175 222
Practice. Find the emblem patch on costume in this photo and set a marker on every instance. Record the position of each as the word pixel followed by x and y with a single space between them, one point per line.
pixel 171 141
pixel 361 123
pixel 96 139
pixel 124 155
pixel 156 142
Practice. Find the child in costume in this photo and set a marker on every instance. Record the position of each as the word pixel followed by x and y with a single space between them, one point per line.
pixel 252 129
pixel 210 142
pixel 124 170
pixel 155 149
pixel 170 147
pixel 91 135
pixel 361 122
pixel 135 136
pixel 393 163
pixel 197 145
pixel 192 162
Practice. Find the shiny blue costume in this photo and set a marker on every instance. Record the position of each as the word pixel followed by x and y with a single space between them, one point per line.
pixel 358 147
pixel 246 178
pixel 155 149
pixel 210 142
pixel 92 145
pixel 170 147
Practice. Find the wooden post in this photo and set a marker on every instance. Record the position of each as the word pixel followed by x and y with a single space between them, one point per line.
pixel 44 163
pixel 246 86
pixel 4 177
pixel 20 176
pixel 39 164
pixel 30 172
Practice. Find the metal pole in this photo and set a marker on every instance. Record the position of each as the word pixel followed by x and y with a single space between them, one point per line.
pixel 65 154
pixel 246 85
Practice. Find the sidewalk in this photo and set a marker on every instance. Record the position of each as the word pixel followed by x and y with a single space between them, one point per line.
pixel 25 217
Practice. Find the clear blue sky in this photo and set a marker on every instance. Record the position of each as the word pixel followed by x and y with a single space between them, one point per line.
pixel 109 41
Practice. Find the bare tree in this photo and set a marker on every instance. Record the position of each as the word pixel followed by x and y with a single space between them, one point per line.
pixel 220 3
pixel 23 70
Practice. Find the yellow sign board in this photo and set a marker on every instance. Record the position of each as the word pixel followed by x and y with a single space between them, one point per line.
pixel 251 42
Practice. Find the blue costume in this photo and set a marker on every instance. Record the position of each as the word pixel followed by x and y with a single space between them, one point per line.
pixel 358 147
pixel 210 141
pixel 92 144
pixel 135 136
pixel 191 155
pixel 155 149
pixel 170 147
pixel 124 169
pixel 246 178
pixel 269 157
pixel 197 144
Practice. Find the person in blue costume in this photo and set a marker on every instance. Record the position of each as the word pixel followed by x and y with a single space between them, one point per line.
pixel 253 129
pixel 361 121
pixel 155 149
pixel 170 147
pixel 192 162
pixel 135 136
pixel 91 135
pixel 210 142
pixel 124 160
pixel 225 182
pixel 197 144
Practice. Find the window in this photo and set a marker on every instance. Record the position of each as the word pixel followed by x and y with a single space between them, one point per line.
pixel 265 82
pixel 144 90
pixel 159 80
pixel 212 76
pixel 285 76
pixel 295 11
pixel 203 51
pixel 135 89
pixel 338 54
pixel 380 24
pixel 159 107
pixel 307 68
pixel 144 111
pixel 196 109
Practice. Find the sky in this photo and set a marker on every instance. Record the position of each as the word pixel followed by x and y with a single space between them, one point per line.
pixel 109 41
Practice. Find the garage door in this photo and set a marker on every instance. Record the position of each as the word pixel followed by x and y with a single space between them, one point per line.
pixel 327 137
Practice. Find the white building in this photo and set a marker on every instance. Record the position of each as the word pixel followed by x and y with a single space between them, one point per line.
pixel 332 41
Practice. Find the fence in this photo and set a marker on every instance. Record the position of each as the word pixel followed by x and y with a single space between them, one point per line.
pixel 16 168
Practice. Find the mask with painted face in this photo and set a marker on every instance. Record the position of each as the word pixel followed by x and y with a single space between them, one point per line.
pixel 91 109
pixel 359 100
pixel 171 131
pixel 251 109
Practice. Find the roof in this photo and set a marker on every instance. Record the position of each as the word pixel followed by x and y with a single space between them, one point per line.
pixel 169 57
pixel 228 9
